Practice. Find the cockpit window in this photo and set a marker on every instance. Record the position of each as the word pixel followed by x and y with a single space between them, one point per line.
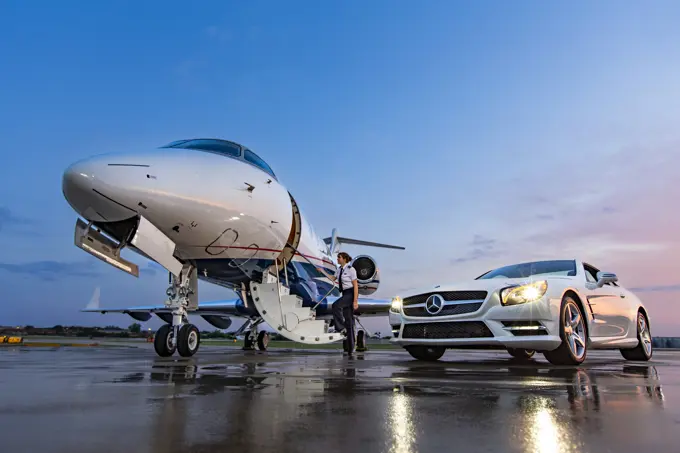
pixel 218 146
pixel 257 161
pixel 175 143
pixel 225 148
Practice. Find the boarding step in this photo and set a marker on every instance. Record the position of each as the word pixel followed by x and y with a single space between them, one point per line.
pixel 285 313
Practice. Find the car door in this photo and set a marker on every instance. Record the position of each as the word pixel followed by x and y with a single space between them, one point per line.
pixel 608 305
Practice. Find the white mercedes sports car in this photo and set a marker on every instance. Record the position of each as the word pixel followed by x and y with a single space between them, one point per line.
pixel 561 308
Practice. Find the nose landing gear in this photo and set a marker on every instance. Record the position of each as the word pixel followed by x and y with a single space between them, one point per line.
pixel 182 337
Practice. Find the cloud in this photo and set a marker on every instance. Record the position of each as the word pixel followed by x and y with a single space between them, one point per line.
pixel 152 268
pixel 661 288
pixel 9 220
pixel 52 270
pixel 481 241
pixel 481 247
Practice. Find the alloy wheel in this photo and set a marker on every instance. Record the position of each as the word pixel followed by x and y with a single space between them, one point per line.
pixel 575 331
pixel 645 334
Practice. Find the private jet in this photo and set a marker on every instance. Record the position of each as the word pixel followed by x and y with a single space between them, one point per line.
pixel 213 210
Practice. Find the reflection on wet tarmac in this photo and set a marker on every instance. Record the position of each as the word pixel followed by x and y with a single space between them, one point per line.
pixel 323 402
pixel 401 424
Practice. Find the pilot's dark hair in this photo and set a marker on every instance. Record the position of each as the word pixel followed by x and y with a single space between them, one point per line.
pixel 345 256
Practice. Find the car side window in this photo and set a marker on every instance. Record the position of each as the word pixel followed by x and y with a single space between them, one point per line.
pixel 590 277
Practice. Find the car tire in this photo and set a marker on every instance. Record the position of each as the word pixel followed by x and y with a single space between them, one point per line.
pixel 643 351
pixel 522 354
pixel 426 353
pixel 574 347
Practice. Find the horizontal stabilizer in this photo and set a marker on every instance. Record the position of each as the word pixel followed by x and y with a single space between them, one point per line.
pixel 341 240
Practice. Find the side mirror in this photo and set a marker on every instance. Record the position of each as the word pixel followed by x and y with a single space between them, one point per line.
pixel 606 277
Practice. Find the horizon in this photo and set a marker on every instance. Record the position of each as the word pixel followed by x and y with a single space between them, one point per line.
pixel 501 135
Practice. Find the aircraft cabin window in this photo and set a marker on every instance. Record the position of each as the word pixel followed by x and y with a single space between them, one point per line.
pixel 218 146
pixel 257 161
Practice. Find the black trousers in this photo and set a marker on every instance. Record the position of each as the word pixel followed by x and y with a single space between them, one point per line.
pixel 343 315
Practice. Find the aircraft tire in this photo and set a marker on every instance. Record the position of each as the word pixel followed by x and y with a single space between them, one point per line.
pixel 263 340
pixel 188 340
pixel 162 341
pixel 248 341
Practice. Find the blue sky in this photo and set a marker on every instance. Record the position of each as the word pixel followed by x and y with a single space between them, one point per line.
pixel 475 135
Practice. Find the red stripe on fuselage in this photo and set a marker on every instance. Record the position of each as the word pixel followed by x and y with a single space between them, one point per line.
pixel 258 249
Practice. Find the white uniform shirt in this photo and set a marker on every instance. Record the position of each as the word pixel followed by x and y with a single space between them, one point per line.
pixel 349 274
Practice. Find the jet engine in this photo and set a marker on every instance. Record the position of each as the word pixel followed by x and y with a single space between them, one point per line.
pixel 368 275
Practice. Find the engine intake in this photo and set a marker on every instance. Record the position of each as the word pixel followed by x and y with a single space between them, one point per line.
pixel 368 275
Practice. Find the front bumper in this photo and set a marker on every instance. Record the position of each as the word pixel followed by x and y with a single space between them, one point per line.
pixel 528 326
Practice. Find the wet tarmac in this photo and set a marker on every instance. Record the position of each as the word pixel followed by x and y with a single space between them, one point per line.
pixel 224 400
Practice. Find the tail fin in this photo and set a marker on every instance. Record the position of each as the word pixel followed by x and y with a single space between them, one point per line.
pixel 94 301
pixel 335 240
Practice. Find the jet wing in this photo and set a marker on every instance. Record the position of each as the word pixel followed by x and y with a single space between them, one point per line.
pixel 215 312
pixel 367 306
pixel 228 307
pixel 232 307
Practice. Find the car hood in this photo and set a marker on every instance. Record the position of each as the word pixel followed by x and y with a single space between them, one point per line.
pixel 489 285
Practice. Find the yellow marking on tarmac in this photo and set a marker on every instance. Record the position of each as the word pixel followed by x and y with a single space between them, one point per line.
pixel 44 344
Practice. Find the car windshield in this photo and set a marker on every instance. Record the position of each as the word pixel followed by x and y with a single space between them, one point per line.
pixel 565 268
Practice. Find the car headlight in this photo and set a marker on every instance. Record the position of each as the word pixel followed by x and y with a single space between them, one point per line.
pixel 523 294
pixel 396 305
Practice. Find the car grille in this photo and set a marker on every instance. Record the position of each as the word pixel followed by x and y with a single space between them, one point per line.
pixel 446 330
pixel 448 296
pixel 448 310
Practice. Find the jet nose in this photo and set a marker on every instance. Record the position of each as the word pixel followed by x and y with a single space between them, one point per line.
pixel 85 188
pixel 77 184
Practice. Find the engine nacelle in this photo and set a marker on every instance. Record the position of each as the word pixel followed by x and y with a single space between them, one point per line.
pixel 220 322
pixel 368 275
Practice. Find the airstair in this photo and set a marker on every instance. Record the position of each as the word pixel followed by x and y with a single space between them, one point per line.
pixel 284 313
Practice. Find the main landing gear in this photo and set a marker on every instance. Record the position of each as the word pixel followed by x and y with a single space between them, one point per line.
pixel 180 336
pixel 252 336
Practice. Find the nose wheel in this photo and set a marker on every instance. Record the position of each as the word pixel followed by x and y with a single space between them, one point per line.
pixel 187 344
pixel 188 340
pixel 163 342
